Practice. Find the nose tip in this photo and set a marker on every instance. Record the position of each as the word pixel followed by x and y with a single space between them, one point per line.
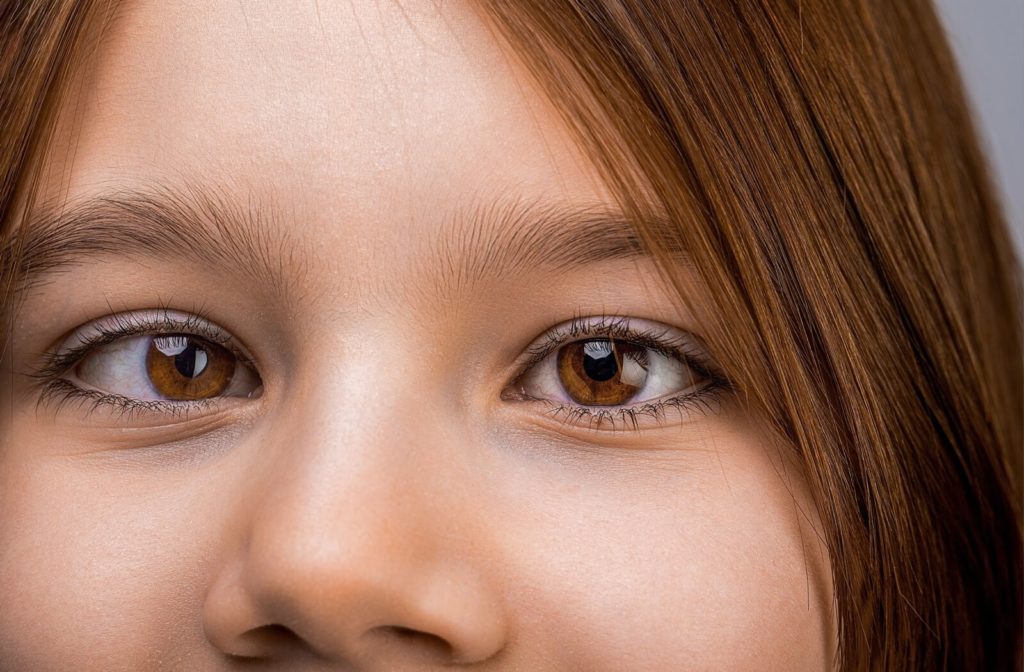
pixel 352 591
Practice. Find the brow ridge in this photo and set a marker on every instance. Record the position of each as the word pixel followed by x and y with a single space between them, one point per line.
pixel 485 239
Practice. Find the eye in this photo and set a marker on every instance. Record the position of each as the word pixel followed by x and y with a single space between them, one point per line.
pixel 171 367
pixel 149 362
pixel 608 372
pixel 609 369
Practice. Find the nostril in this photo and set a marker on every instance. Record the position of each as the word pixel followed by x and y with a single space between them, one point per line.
pixel 266 641
pixel 432 645
pixel 275 633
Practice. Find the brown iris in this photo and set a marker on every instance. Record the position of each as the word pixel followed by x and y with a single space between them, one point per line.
pixel 602 372
pixel 183 367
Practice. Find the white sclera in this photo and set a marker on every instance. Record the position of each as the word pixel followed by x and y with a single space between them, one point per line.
pixel 119 368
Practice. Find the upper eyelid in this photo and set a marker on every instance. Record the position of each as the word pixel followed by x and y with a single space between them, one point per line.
pixel 129 324
pixel 111 328
pixel 671 341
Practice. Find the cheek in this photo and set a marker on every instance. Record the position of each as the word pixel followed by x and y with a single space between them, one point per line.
pixel 705 560
pixel 90 555
pixel 699 558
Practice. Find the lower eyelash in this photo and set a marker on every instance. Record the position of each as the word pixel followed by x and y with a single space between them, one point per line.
pixel 60 393
pixel 705 401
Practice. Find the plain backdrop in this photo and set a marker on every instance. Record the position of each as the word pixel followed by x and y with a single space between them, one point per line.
pixel 988 38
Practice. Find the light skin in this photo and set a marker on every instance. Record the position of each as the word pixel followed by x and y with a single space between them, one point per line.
pixel 383 487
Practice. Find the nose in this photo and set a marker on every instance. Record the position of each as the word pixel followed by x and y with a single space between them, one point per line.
pixel 355 551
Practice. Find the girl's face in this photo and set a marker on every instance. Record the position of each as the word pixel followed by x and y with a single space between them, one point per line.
pixel 336 355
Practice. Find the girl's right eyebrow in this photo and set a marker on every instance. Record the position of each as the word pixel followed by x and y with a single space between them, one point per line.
pixel 486 240
pixel 193 224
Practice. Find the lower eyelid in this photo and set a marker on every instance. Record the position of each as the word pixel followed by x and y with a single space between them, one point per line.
pixel 690 406
pixel 62 395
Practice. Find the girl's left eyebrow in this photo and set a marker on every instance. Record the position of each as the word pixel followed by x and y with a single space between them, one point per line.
pixel 486 240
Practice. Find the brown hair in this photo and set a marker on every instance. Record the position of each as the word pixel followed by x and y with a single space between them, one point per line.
pixel 820 160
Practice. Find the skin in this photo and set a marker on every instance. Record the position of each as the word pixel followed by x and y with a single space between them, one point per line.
pixel 382 505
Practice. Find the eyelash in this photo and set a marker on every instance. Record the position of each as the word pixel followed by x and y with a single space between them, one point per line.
pixel 59 392
pixel 703 400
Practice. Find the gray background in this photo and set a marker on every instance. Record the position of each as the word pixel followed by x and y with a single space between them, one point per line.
pixel 988 38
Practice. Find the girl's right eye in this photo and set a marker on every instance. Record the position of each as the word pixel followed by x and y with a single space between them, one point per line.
pixel 154 362
pixel 165 367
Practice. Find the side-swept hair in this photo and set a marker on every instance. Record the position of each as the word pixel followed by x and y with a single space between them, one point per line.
pixel 821 165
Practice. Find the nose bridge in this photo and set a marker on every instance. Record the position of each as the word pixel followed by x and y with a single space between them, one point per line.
pixel 359 535
pixel 355 442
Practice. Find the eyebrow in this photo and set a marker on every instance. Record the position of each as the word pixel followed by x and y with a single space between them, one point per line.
pixel 511 236
pixel 490 239
pixel 200 226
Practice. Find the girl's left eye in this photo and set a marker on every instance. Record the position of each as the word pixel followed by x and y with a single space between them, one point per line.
pixel 166 367
pixel 617 371
pixel 608 372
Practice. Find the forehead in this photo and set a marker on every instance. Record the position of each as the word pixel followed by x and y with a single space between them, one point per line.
pixel 364 111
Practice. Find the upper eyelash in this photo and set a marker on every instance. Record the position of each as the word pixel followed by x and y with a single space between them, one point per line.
pixel 617 327
pixel 126 325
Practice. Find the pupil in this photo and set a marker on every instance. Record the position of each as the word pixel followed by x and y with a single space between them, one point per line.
pixel 191 362
pixel 599 360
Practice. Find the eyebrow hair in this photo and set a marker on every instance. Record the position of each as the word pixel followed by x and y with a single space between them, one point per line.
pixel 198 225
pixel 510 236
pixel 490 239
